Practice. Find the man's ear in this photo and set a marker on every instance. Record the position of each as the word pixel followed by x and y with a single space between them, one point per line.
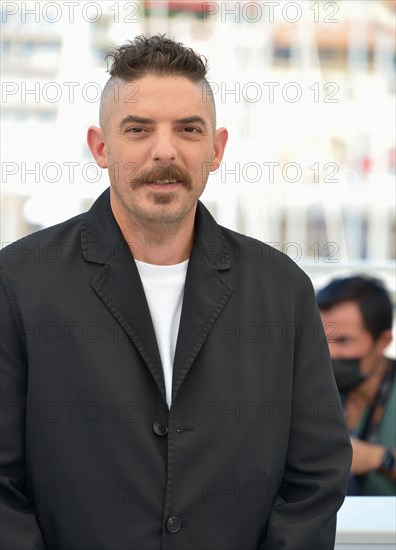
pixel 96 143
pixel 383 341
pixel 220 142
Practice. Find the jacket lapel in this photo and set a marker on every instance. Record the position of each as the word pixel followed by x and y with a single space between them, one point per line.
pixel 118 284
pixel 205 295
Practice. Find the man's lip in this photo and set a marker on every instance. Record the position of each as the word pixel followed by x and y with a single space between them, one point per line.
pixel 164 186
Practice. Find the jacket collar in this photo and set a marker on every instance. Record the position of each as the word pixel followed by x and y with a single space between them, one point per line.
pixel 101 235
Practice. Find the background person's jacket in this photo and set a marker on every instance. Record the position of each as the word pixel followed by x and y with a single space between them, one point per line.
pixel 253 454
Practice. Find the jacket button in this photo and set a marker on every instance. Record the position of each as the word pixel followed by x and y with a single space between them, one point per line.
pixel 173 524
pixel 160 428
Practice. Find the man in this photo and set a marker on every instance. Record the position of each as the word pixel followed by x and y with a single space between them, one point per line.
pixel 357 315
pixel 163 388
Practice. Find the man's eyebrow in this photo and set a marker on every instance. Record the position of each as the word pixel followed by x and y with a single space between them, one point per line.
pixel 140 120
pixel 191 120
pixel 136 119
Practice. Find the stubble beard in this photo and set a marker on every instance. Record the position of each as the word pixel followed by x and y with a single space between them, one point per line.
pixel 166 211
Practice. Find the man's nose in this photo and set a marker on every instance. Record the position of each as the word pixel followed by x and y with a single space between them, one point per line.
pixel 336 352
pixel 164 148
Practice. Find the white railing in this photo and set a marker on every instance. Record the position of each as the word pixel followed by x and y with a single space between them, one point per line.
pixel 367 523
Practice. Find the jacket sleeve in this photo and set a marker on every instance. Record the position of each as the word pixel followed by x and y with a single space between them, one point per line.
pixel 319 452
pixel 18 523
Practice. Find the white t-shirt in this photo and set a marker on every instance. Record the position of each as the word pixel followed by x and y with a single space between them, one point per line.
pixel 164 289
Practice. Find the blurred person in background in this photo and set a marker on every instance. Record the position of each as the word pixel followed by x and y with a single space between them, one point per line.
pixel 357 317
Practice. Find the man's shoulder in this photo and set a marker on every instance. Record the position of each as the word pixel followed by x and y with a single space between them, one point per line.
pixel 258 255
pixel 254 261
pixel 45 245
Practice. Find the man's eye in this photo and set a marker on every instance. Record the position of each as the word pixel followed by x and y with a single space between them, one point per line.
pixel 192 130
pixel 341 340
pixel 134 130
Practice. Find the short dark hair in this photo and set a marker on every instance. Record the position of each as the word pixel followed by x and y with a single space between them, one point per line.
pixel 157 55
pixel 370 295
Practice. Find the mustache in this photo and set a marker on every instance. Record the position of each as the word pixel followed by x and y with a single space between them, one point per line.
pixel 171 172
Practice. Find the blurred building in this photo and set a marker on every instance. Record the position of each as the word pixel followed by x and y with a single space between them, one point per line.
pixel 307 90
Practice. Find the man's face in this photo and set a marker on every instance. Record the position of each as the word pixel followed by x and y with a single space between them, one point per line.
pixel 348 338
pixel 159 145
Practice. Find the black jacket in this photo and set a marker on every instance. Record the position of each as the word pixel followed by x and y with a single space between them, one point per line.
pixel 253 453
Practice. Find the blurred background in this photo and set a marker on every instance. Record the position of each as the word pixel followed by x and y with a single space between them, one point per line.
pixel 306 89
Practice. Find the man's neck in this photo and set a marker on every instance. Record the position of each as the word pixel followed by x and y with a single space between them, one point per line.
pixel 168 249
pixel 159 244
pixel 366 391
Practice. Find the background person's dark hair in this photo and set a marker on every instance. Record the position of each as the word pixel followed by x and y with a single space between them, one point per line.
pixel 157 55
pixel 370 295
